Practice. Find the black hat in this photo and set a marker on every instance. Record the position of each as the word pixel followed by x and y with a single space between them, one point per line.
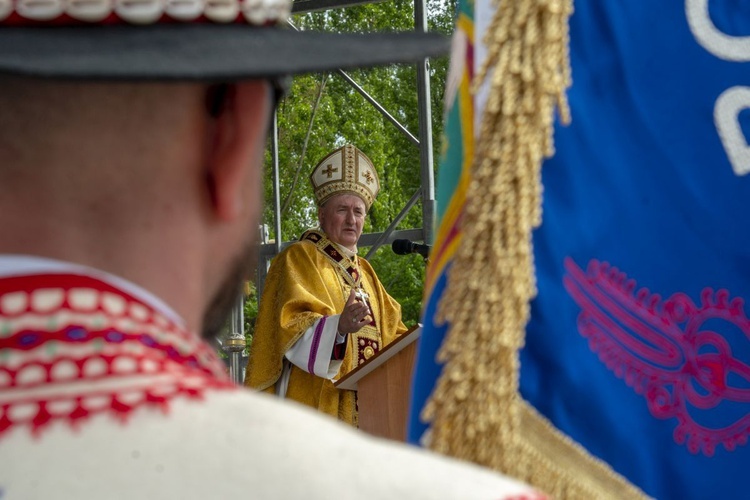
pixel 199 40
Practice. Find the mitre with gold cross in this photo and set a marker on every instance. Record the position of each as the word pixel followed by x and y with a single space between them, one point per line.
pixel 346 170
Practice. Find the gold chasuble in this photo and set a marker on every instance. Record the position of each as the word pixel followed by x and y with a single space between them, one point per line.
pixel 308 280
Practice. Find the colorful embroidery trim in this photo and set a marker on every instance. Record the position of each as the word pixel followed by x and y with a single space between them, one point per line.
pixel 143 12
pixel 72 347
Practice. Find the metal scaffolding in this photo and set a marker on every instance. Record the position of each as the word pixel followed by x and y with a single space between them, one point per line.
pixel 423 141
pixel 426 192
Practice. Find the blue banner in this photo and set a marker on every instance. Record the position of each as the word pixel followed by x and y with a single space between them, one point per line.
pixel 639 343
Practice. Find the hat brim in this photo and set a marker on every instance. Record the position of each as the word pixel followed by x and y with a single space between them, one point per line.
pixel 205 52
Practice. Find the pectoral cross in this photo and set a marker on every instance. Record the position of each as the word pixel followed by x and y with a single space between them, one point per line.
pixel 360 294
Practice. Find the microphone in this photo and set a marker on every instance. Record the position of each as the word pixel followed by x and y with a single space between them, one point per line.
pixel 405 247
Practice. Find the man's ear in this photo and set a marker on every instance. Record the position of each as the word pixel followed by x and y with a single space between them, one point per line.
pixel 235 145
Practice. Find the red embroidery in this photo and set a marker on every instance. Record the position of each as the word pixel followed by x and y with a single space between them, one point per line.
pixel 73 347
pixel 527 496
pixel 670 352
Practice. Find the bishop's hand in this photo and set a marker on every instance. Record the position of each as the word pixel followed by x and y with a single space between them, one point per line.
pixel 355 315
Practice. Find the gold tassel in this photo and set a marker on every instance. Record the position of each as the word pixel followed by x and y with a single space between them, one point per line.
pixel 476 413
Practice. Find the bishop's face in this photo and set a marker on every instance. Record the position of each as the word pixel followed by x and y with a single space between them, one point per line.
pixel 342 219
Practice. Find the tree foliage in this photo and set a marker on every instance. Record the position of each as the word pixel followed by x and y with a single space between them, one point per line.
pixel 323 112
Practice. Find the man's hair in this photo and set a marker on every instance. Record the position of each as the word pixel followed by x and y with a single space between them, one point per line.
pixel 40 118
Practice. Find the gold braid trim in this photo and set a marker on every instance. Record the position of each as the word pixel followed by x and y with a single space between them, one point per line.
pixel 476 411
pixel 562 467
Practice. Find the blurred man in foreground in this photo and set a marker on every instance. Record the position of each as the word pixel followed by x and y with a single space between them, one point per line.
pixel 129 184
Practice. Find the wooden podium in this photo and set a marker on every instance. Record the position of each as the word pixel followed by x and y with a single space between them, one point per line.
pixel 383 386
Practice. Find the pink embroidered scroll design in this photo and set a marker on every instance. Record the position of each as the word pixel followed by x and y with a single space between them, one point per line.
pixel 681 356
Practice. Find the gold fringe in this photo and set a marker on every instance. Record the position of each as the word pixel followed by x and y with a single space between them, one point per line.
pixel 476 411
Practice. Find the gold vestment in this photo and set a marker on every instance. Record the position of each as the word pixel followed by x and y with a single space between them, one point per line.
pixel 306 281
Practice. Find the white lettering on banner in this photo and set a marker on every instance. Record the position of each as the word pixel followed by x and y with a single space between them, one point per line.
pixel 726 117
pixel 732 101
pixel 723 46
